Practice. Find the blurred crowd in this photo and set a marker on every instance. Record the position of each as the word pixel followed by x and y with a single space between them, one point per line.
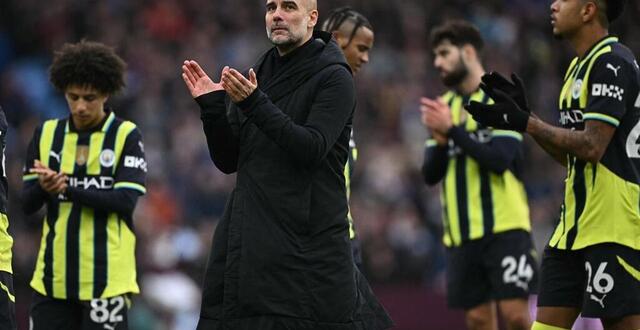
pixel 397 216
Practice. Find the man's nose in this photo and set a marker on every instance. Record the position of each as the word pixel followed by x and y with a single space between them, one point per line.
pixel 365 57
pixel 437 63
pixel 81 106
pixel 277 14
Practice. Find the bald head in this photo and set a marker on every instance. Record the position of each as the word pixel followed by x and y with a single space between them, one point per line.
pixel 310 4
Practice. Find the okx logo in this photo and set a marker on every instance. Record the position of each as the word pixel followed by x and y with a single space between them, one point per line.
pixel 611 91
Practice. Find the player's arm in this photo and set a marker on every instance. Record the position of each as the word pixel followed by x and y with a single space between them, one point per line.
pixel 602 113
pixel 308 143
pixel 610 85
pixel 434 166
pixel 129 181
pixel 588 145
pixel 121 201
pixel 556 153
pixel 497 155
pixel 32 194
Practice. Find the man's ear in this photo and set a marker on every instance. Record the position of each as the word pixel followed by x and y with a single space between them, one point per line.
pixel 313 19
pixel 469 52
pixel 588 11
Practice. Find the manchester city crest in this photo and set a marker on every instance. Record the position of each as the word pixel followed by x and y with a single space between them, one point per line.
pixel 576 89
pixel 107 158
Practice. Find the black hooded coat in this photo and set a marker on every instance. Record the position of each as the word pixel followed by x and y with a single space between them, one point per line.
pixel 281 256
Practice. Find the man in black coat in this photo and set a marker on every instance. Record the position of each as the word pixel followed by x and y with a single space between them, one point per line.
pixel 281 255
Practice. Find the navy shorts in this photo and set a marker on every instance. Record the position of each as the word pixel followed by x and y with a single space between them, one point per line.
pixel 602 281
pixel 496 267
pixel 97 314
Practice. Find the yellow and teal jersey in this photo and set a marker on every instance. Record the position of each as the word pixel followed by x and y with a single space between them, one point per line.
pixel 477 201
pixel 85 252
pixel 348 173
pixel 6 241
pixel 602 200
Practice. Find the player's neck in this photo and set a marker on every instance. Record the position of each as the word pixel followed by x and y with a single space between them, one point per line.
pixel 586 38
pixel 87 126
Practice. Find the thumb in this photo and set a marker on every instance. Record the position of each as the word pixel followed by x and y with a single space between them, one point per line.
pixel 252 77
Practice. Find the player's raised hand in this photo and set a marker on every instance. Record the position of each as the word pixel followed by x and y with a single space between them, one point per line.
pixel 197 81
pixel 237 86
pixel 436 117
pixel 50 181
pixel 515 88
pixel 503 114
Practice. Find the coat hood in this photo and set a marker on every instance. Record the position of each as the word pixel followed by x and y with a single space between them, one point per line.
pixel 325 52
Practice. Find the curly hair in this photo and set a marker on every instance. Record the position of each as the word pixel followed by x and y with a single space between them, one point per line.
pixel 459 33
pixel 87 63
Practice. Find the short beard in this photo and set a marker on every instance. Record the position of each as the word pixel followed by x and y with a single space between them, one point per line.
pixel 459 73
pixel 282 43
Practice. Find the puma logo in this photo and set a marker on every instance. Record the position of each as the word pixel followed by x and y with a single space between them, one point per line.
pixel 505 117
pixel 522 285
pixel 54 155
pixel 612 68
pixel 599 301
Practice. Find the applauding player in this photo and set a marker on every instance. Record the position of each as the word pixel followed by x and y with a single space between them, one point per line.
pixel 592 263
pixel 88 169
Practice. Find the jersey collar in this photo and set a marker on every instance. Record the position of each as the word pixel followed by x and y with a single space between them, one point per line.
pixel 103 127
pixel 599 45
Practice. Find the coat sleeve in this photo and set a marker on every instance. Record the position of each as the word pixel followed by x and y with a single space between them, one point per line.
pixel 310 142
pixel 222 140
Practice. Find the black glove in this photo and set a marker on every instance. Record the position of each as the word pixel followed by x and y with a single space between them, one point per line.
pixel 503 114
pixel 515 89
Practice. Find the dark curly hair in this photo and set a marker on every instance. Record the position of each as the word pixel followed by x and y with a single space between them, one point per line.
pixel 339 16
pixel 459 33
pixel 87 63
